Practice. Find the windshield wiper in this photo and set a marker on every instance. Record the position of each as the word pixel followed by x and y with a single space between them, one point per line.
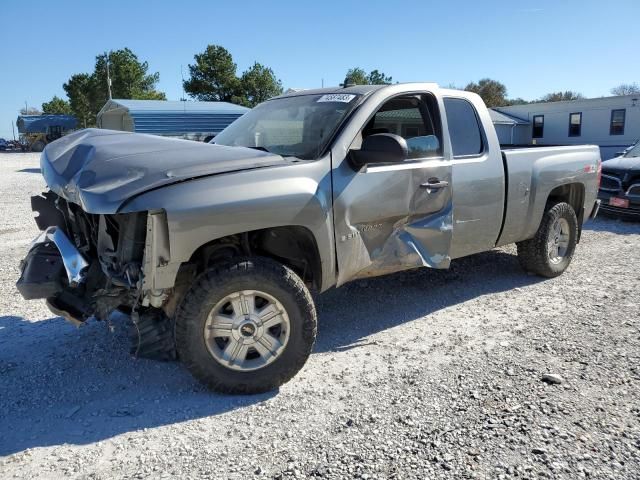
pixel 262 149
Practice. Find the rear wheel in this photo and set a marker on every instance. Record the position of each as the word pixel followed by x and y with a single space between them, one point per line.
pixel 550 251
pixel 246 327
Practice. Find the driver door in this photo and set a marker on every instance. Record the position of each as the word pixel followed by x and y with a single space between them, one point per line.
pixel 395 216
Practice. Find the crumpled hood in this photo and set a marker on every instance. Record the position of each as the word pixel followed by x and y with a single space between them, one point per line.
pixel 100 169
pixel 622 163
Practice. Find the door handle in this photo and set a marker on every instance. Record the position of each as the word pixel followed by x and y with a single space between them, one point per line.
pixel 435 184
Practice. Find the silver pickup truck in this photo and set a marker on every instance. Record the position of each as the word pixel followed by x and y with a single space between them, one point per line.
pixel 213 249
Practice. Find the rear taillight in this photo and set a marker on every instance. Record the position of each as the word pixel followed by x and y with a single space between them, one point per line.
pixel 599 172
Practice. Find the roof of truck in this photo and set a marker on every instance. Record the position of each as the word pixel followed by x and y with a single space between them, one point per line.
pixel 354 89
pixel 357 89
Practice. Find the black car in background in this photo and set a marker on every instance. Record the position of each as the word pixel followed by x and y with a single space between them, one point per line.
pixel 620 185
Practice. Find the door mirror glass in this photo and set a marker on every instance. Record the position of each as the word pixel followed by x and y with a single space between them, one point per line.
pixel 423 147
pixel 380 148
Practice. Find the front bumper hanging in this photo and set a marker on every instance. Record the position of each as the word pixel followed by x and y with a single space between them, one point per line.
pixel 51 256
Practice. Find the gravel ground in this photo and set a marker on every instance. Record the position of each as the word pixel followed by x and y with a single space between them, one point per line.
pixel 425 374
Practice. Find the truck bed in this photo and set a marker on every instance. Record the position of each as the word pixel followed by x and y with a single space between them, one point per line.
pixel 532 175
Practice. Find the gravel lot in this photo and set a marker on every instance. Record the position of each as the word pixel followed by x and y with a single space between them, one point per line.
pixel 425 374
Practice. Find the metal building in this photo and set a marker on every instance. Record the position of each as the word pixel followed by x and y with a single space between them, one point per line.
pixel 612 123
pixel 510 130
pixel 191 120
pixel 44 123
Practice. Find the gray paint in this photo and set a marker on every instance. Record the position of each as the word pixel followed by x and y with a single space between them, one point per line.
pixel 366 222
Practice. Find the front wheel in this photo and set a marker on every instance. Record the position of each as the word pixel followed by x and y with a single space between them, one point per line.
pixel 550 251
pixel 246 327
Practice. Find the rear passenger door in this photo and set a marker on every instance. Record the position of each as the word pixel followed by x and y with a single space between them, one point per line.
pixel 390 217
pixel 479 176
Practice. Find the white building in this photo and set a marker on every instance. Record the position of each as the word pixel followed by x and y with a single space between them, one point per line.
pixel 613 123
pixel 510 130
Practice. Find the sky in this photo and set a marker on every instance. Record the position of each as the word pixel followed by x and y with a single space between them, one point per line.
pixel 533 47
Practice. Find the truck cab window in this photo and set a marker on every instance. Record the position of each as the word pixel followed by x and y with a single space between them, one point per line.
pixel 410 117
pixel 464 129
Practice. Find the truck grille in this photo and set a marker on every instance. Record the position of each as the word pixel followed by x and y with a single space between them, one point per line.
pixel 610 183
pixel 634 190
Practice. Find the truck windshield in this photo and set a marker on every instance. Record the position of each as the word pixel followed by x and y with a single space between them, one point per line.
pixel 634 152
pixel 299 126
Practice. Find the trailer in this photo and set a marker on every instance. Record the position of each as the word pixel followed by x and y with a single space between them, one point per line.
pixel 37 131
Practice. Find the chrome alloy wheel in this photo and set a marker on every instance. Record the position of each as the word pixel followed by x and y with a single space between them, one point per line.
pixel 558 241
pixel 247 330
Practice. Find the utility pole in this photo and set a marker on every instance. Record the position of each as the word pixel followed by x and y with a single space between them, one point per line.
pixel 13 130
pixel 26 108
pixel 108 76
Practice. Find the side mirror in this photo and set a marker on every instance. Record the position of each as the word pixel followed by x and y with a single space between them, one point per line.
pixel 380 148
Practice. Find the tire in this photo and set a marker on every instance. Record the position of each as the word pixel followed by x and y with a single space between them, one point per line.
pixel 38 146
pixel 152 336
pixel 226 350
pixel 548 253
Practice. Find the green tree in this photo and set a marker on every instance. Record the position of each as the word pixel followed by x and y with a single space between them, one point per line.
pixel 258 84
pixel 80 89
pixel 378 78
pixel 516 101
pixel 561 96
pixel 493 93
pixel 56 106
pixel 130 79
pixel 626 89
pixel 356 76
pixel 30 111
pixel 213 76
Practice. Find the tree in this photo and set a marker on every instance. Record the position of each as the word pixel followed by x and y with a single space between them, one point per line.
pixel 567 95
pixel 130 79
pixel 258 84
pixel 79 89
pixel 357 76
pixel 213 76
pixel 379 78
pixel 516 101
pixel 56 106
pixel 30 111
pixel 626 89
pixel 492 92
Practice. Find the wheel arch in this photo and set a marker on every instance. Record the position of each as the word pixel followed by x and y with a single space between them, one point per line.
pixel 573 194
pixel 293 245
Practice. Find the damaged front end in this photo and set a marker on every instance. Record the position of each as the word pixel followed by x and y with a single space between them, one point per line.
pixel 84 264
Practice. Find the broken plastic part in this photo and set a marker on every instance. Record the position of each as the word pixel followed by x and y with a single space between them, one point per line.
pixel 74 263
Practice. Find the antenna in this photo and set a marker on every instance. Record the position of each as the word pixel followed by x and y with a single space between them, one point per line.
pixel 184 95
pixel 108 76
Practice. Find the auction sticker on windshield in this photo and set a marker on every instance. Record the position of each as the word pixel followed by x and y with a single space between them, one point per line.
pixel 337 97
